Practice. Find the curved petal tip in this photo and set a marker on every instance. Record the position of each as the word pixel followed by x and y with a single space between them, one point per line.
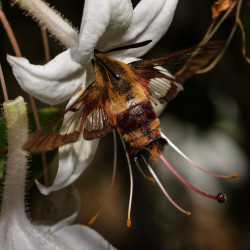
pixel 53 82
pixel 73 160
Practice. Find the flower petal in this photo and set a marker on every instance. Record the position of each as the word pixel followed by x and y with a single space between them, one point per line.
pixel 52 83
pixel 105 18
pixel 82 237
pixel 17 233
pixel 65 206
pixel 151 20
pixel 121 17
pixel 95 20
pixel 73 160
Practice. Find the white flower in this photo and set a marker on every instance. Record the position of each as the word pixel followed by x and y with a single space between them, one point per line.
pixel 16 230
pixel 105 24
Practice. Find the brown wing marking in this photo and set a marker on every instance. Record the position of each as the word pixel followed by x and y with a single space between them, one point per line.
pixel 164 84
pixel 65 127
pixel 159 82
pixel 198 59
pixel 41 142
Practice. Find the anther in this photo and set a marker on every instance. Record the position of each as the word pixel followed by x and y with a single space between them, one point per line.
pixel 91 221
pixel 233 176
pixel 128 223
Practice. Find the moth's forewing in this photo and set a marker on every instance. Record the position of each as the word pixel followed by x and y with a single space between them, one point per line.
pixel 198 59
pixel 49 137
pixel 165 82
pixel 67 126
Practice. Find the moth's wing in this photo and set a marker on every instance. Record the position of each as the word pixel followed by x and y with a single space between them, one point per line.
pixel 92 117
pixel 97 124
pixel 159 82
pixel 164 76
pixel 66 126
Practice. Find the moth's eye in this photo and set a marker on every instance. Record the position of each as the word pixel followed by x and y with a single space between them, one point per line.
pixel 93 61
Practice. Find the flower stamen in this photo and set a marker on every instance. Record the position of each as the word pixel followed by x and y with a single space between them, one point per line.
pixel 220 197
pixel 150 179
pixel 92 220
pixel 131 183
pixel 171 144
pixel 165 192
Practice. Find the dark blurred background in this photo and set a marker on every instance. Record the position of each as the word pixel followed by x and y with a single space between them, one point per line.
pixel 218 100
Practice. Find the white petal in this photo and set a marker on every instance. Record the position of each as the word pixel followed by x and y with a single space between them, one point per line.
pixel 65 222
pixel 66 204
pixel 52 83
pixel 101 20
pixel 17 233
pixel 121 17
pixel 73 160
pixel 82 237
pixel 126 60
pixel 95 20
pixel 151 20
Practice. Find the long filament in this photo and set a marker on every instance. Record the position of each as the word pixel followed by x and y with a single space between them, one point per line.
pixel 165 192
pixel 92 220
pixel 142 172
pixel 171 144
pixel 184 181
pixel 131 183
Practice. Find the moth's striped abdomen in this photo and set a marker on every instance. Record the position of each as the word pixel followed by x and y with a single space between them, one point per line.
pixel 140 128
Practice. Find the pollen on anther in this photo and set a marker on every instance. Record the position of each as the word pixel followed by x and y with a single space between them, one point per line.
pixel 233 176
pixel 128 223
pixel 151 179
pixel 91 221
pixel 188 213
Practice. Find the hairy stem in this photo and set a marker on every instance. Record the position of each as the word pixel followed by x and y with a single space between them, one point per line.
pixel 14 186
pixel 52 20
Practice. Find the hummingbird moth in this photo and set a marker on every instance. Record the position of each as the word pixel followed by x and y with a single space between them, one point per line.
pixel 121 97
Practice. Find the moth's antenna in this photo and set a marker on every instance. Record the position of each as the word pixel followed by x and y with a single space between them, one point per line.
pixel 130 46
pixel 117 77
